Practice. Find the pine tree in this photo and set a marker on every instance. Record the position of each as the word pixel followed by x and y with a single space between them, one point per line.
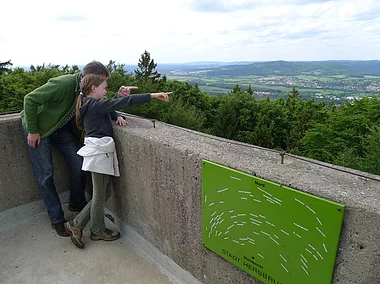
pixel 146 69
pixel 236 89
pixel 3 66
pixel 249 91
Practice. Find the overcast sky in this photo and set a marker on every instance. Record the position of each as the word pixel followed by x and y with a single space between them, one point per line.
pixel 176 31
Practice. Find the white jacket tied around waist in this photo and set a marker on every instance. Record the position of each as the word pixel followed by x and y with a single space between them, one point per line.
pixel 99 156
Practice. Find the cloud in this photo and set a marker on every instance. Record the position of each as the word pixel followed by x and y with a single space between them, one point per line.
pixel 258 25
pixel 303 34
pixel 302 2
pixel 367 16
pixel 223 6
pixel 192 30
pixel 70 17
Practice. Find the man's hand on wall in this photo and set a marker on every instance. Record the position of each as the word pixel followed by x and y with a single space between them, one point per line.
pixel 125 91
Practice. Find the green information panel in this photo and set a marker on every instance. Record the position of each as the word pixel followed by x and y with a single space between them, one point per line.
pixel 277 234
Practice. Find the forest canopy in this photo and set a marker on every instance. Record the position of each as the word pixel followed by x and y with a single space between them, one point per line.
pixel 346 134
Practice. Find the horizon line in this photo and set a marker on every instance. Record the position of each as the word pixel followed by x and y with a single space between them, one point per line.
pixel 215 61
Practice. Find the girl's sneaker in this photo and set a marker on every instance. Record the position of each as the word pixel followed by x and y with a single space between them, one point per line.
pixel 76 234
pixel 106 235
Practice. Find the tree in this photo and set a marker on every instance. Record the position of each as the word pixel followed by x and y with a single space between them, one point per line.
pixel 236 116
pixel 249 91
pixel 236 89
pixel 119 77
pixel 14 85
pixel 43 72
pixel 346 135
pixel 370 163
pixel 3 66
pixel 183 115
pixel 146 69
pixel 272 127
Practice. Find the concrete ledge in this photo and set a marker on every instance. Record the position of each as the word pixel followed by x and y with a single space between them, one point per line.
pixel 159 195
pixel 17 182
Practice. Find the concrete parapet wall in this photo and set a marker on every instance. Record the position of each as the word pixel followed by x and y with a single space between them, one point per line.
pixel 17 183
pixel 160 189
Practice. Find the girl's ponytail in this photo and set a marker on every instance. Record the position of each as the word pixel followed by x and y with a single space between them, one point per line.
pixel 86 84
pixel 77 108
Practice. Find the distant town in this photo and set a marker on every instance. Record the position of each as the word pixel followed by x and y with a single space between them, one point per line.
pixel 335 81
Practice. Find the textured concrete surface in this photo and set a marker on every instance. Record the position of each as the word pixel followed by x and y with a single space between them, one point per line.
pixel 159 195
pixel 159 192
pixel 31 252
pixel 17 183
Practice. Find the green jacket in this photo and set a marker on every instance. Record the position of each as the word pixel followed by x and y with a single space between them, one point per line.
pixel 48 106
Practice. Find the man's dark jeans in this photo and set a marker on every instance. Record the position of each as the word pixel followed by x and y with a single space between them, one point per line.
pixel 41 158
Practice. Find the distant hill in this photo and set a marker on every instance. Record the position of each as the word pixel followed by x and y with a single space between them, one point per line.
pixel 167 68
pixel 347 68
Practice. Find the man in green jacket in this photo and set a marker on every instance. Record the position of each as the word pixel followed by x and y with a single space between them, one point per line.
pixel 47 120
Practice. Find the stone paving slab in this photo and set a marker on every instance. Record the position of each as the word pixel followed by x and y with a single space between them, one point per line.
pixel 31 252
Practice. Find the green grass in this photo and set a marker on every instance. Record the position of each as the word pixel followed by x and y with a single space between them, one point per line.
pixel 340 77
pixel 372 77
pixel 214 90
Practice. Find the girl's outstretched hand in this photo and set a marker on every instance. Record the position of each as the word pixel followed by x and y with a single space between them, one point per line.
pixel 164 96
pixel 121 121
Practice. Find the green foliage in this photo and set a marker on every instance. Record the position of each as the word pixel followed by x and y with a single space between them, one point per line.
pixel 249 91
pixel 193 98
pixel 146 70
pixel 15 84
pixel 370 161
pixel 301 116
pixel 235 115
pixel 183 115
pixel 272 127
pixel 119 77
pixel 44 72
pixel 4 66
pixel 188 107
pixel 346 135
pixel 13 87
